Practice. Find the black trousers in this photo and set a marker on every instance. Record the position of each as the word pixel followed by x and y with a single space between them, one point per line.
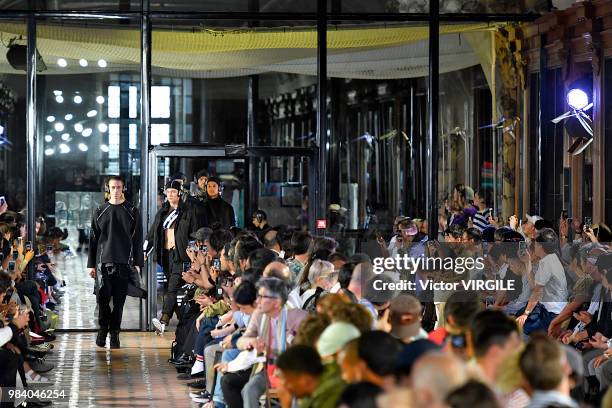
pixel 114 289
pixel 232 384
pixel 175 281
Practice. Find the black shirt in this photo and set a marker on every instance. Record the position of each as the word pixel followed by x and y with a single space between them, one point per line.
pixel 116 235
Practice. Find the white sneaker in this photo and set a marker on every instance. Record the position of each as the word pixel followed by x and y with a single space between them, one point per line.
pixel 159 326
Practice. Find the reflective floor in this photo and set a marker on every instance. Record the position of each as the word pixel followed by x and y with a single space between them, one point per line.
pixel 137 375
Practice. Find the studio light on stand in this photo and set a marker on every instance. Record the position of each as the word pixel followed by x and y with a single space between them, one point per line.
pixel 577 123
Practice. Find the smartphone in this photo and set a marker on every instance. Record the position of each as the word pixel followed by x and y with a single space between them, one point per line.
pixel 11 266
pixel 2 201
pixel 588 222
pixel 1 257
pixel 49 248
pixel 15 255
pixel 192 245
pixel 28 245
pixel 203 248
pixel 186 266
pixel 19 241
pixel 216 263
pixel 522 248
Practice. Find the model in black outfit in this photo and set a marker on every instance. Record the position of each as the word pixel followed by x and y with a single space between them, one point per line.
pixel 115 259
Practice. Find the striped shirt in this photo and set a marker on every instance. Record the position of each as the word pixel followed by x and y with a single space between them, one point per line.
pixel 481 219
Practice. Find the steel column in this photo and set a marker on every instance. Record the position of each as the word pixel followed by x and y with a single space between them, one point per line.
pixel 432 137
pixel 31 159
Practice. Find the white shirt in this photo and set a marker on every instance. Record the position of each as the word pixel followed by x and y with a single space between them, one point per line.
pixel 551 276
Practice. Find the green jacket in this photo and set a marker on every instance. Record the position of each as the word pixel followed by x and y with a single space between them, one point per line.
pixel 327 393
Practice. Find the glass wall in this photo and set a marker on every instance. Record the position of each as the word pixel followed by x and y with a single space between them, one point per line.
pixel 13 114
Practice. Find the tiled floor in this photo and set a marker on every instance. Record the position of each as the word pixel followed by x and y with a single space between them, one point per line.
pixel 137 375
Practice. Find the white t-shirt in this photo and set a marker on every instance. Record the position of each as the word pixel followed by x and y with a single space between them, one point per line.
pixel 551 276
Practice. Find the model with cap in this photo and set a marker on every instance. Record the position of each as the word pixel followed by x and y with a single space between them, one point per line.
pixel 115 259
pixel 168 239
pixel 218 211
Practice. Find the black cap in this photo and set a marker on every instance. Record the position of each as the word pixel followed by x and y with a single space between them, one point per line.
pixel 175 184
pixel 215 179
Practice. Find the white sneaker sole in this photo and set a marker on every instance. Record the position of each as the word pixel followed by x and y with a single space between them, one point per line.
pixel 159 327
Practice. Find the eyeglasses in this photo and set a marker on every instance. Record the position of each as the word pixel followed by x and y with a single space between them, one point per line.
pixel 260 296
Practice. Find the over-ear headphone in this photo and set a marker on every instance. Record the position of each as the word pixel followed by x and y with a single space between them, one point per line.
pixel 107 189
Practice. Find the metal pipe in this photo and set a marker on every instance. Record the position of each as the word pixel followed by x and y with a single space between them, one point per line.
pixel 147 211
pixel 322 139
pixel 31 165
pixel 432 140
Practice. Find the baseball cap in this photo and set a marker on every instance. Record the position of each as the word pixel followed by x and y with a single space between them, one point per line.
pixel 175 184
pixel 533 218
pixel 335 336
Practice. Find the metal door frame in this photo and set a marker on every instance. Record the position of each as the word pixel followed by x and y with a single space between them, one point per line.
pixel 148 309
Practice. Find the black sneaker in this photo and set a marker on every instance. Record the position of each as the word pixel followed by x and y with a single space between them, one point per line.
pixel 198 385
pixel 101 338
pixel 114 340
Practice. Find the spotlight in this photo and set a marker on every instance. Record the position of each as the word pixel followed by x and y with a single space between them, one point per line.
pixel 102 63
pixel 87 132
pixel 77 99
pixel 17 57
pixel 102 127
pixel 92 113
pixel 59 99
pixel 83 147
pixel 62 62
pixel 64 148
pixel 59 126
pixel 100 99
pixel 104 148
pixel 48 138
pixel 65 137
pixel 577 99
pixel 83 62
pixel 68 116
pixel 49 152
pixel 50 118
pixel 78 127
pixel 577 122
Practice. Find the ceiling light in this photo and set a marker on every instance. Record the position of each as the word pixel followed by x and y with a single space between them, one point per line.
pixel 59 99
pixel 102 63
pixel 87 132
pixel 78 99
pixel 92 113
pixel 49 152
pixel 68 116
pixel 104 148
pixel 59 126
pixel 64 148
pixel 83 147
pixel 78 127
pixel 48 138
pixel 102 127
pixel 62 62
pixel 100 99
pixel 56 92
pixel 50 118
pixel 83 62
pixel 65 136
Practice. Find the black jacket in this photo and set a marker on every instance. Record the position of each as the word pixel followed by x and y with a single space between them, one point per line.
pixel 219 211
pixel 603 324
pixel 186 224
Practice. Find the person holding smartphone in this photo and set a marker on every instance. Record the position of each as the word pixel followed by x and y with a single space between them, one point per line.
pixel 115 259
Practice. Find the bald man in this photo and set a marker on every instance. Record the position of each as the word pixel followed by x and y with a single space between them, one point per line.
pixel 434 376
